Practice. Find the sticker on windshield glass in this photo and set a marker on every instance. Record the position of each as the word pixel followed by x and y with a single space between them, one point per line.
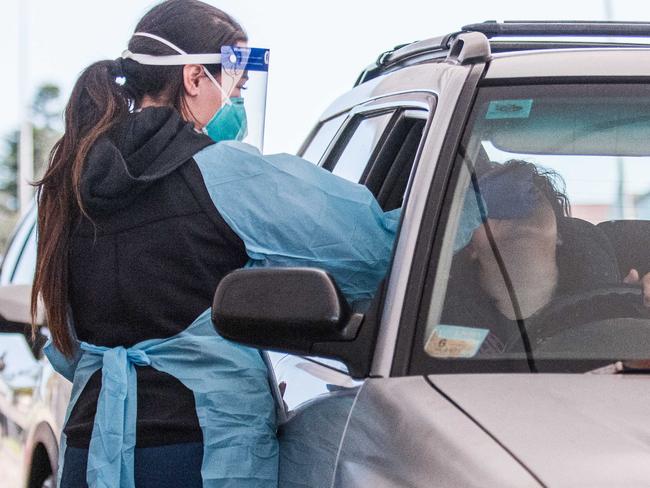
pixel 452 341
pixel 509 109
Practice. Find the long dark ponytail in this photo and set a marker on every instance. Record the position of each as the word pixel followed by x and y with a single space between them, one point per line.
pixel 97 104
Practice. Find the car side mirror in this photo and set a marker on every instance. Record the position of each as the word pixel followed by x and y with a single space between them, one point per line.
pixel 295 310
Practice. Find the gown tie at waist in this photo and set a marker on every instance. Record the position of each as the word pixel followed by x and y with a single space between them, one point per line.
pixel 112 444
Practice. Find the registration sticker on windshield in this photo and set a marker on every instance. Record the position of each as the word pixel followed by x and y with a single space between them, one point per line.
pixel 453 341
pixel 509 109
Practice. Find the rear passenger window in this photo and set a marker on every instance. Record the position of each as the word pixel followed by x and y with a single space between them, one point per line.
pixel 321 139
pixel 359 148
pixel 16 247
pixel 379 151
pixel 24 272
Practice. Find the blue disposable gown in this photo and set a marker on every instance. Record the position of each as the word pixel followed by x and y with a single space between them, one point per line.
pixel 287 212
pixel 290 212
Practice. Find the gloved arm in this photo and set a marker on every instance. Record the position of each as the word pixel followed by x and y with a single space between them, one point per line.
pixel 289 212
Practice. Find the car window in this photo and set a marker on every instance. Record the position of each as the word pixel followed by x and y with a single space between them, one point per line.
pixel 321 139
pixel 15 248
pixel 24 271
pixel 386 158
pixel 355 155
pixel 388 173
pixel 546 234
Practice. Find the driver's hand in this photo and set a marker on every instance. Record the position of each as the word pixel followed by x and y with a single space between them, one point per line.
pixel 632 278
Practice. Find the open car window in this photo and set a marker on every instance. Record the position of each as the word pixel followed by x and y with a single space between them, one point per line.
pixel 378 150
pixel 548 218
pixel 356 146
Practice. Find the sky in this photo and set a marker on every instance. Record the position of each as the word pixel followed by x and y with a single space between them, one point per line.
pixel 318 48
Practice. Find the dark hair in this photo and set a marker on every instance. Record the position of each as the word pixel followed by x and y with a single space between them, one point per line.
pixel 97 104
pixel 546 182
pixel 551 185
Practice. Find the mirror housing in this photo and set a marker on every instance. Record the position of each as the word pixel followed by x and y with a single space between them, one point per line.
pixel 294 310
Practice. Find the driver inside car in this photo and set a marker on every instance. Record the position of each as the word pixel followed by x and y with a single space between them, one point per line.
pixel 524 252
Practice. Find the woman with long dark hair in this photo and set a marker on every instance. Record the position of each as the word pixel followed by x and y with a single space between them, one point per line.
pixel 140 215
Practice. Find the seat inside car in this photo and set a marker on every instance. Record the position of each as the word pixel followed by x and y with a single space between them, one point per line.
pixel 585 256
pixel 630 240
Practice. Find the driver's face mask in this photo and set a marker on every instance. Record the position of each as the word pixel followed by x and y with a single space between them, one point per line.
pixel 230 121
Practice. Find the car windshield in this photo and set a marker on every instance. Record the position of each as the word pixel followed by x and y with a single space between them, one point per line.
pixel 547 240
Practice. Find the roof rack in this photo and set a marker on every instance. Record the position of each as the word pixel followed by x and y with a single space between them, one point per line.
pixel 444 47
pixel 459 47
pixel 402 54
pixel 573 28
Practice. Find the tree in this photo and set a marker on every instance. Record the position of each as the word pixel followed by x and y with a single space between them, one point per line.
pixel 46 126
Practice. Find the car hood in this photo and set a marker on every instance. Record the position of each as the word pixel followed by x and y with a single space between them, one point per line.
pixel 569 430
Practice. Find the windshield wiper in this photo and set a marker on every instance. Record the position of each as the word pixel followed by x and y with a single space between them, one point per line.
pixel 641 366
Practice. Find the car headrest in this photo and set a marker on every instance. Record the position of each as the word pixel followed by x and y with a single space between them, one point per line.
pixel 585 256
pixel 631 242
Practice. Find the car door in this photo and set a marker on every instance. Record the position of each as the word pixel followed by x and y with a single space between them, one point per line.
pixel 401 431
pixel 374 144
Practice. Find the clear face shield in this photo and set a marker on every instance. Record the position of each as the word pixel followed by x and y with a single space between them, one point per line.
pixel 243 84
pixel 244 78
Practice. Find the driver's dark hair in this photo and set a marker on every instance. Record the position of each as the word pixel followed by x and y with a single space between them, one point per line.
pixel 103 96
pixel 548 182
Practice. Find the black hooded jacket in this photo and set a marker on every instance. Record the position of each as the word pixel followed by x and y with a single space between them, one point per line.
pixel 147 262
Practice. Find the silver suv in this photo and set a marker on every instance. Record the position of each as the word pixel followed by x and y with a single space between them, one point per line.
pixel 500 348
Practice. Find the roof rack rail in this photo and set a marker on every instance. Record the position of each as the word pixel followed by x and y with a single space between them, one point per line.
pixel 402 53
pixel 459 47
pixel 522 28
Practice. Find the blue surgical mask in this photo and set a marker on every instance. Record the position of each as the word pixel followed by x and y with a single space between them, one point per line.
pixel 229 123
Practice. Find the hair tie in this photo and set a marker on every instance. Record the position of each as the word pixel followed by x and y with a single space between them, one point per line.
pixel 118 68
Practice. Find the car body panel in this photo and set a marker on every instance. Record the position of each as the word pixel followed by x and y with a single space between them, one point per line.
pixel 614 63
pixel 403 433
pixel 426 77
pixel 308 448
pixel 569 429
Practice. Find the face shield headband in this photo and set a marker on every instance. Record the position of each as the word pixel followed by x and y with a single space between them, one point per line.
pixel 181 59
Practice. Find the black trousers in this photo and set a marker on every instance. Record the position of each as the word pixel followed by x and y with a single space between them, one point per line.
pixel 172 466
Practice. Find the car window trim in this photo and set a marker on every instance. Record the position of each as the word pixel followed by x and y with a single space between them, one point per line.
pixel 338 145
pixel 414 99
pixel 27 221
pixel 314 132
pixel 428 242
pixel 30 233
